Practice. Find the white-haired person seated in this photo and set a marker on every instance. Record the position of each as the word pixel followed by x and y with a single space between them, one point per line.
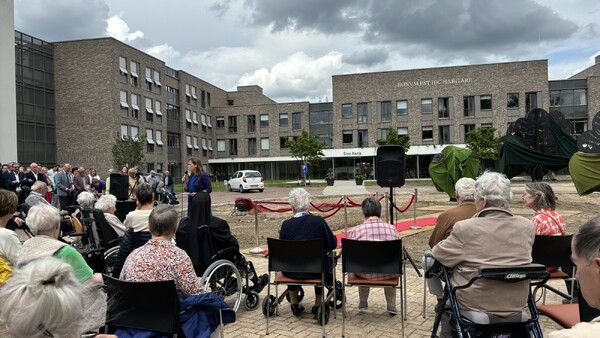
pixel 85 199
pixel 44 298
pixel 108 205
pixel 493 236
pixel 44 222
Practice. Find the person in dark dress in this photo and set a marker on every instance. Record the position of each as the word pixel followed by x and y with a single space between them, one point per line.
pixel 304 226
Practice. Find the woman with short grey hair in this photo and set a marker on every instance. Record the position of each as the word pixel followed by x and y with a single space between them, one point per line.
pixel 494 189
pixel 299 199
pixel 85 199
pixel 108 205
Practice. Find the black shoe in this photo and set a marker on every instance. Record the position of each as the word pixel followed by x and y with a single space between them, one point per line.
pixel 314 309
pixel 297 309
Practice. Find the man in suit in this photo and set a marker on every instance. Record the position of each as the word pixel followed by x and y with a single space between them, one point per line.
pixel 34 175
pixel 64 186
pixel 5 169
pixel 14 179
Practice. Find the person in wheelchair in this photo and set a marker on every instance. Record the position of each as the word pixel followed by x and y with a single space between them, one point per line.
pixel 303 226
pixel 164 195
pixel 492 237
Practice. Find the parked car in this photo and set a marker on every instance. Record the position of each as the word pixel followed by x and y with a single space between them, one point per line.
pixel 245 180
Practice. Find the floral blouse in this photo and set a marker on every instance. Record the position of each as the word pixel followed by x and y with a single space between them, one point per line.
pixel 548 223
pixel 162 260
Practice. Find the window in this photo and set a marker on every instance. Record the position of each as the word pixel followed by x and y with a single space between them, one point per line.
pixel 173 140
pixel 196 143
pixel 233 147
pixel 149 80
pixel 264 143
pixel 149 106
pixel 149 140
pixel 134 80
pixel 220 145
pixel 487 125
pixel 157 78
pixel 282 142
pixel 443 104
pixel 363 138
pixel 208 121
pixel 210 145
pixel 195 117
pixel 220 122
pixel 485 102
pixel 124 130
pixel 401 107
pixel 233 125
pixel 157 110
pixel 264 121
pixel 251 121
pixel 203 119
pixel 362 112
pixel 252 146
pixel 202 100
pixel 469 106
pixel 188 119
pixel 467 128
pixel 385 111
pixel 208 98
pixel 204 144
pixel 188 141
pixel 347 110
pixel 383 133
pixel 123 105
pixel 159 137
pixel 444 134
pixel 578 126
pixel 402 130
pixel 579 97
pixel 283 120
pixel 296 121
pixel 347 137
pixel 427 133
pixel 135 109
pixel 193 92
pixel 133 132
pixel 512 100
pixel 426 106
pixel 123 65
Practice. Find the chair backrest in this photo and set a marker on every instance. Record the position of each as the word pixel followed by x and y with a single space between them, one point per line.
pixel 372 256
pixel 107 233
pixel 296 256
pixel 552 250
pixel 152 306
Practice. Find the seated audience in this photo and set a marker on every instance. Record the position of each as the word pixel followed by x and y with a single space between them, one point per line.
pixel 9 241
pixel 304 226
pixel 464 190
pixel 375 229
pixel 108 205
pixel 38 194
pixel 44 298
pixel 586 256
pixel 44 222
pixel 494 236
pixel 540 197
pixel 136 225
pixel 85 199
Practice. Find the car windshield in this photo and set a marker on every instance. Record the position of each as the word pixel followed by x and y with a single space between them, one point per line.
pixel 252 174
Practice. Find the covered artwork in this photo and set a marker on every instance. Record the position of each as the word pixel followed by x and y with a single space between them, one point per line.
pixel 584 166
pixel 449 166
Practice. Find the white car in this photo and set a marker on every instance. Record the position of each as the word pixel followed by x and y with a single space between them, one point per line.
pixel 245 180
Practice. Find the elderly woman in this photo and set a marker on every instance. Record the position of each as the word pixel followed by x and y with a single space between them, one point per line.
pixel 9 241
pixel 540 197
pixel 493 236
pixel 160 259
pixel 304 226
pixel 135 179
pixel 44 222
pixel 85 199
pixel 108 205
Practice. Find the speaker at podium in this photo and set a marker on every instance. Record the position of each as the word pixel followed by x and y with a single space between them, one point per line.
pixel 390 166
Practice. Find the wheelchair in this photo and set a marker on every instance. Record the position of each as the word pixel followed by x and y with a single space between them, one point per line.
pixel 479 324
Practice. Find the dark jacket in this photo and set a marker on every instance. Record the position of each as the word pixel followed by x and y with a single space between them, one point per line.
pixel 30 176
pixel 131 241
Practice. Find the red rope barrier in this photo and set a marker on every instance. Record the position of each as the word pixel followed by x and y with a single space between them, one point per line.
pixel 408 206
pixel 333 213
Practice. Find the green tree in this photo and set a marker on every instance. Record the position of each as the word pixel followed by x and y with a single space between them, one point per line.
pixel 128 151
pixel 307 149
pixel 393 138
pixel 483 142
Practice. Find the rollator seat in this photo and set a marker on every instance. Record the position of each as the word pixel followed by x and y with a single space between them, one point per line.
pixel 281 278
pixel 487 318
pixel 356 279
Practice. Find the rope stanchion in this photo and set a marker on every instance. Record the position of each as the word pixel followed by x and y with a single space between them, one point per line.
pixel 257 249
pixel 406 208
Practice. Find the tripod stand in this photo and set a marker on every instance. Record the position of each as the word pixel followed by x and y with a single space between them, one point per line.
pixel 405 254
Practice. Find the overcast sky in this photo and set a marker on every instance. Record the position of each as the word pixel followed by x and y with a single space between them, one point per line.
pixel 292 47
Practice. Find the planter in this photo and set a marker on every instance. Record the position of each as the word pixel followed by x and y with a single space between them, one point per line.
pixel 330 181
pixel 359 181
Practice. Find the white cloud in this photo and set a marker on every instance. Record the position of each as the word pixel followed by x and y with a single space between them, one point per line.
pixel 118 29
pixel 164 52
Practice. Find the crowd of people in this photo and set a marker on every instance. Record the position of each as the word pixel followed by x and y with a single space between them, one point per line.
pixel 481 230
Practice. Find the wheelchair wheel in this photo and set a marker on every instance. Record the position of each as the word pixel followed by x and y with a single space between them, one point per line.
pixel 323 307
pixel 340 298
pixel 251 301
pixel 223 279
pixel 110 257
pixel 268 306
pixel 300 295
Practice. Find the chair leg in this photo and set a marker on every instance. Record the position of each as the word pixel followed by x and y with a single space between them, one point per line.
pixel 424 295
pixel 268 296
pixel 343 305
pixel 404 316
pixel 402 308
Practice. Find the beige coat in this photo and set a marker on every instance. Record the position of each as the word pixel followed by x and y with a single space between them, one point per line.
pixel 493 236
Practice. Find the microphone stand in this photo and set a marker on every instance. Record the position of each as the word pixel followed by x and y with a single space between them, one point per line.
pixel 405 253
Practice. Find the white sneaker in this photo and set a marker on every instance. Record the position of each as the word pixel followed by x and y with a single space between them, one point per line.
pixel 392 310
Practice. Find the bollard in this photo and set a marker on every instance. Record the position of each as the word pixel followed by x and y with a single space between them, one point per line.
pixel 257 249
pixel 415 208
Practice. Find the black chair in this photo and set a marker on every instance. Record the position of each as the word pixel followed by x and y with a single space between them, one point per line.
pixel 306 256
pixel 384 257
pixel 553 251
pixel 152 306
pixel 479 324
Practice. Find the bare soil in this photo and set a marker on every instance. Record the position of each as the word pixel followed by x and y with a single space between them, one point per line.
pixel 575 209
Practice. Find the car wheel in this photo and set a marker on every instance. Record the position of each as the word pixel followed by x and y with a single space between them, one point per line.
pixel 241 188
pixel 229 187
pixel 261 190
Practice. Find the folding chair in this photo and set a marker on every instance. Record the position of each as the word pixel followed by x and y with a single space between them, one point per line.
pixel 372 257
pixel 480 324
pixel 307 256
pixel 152 306
pixel 553 251
pixel 567 315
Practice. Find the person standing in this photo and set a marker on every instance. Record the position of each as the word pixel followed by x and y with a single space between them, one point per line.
pixel 168 181
pixel 64 186
pixel 198 180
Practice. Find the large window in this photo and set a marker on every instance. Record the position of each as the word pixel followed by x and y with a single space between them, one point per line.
pixel 252 146
pixel 233 147
pixel 346 110
pixel 426 106
pixel 264 121
pixel 443 107
pixel 362 112
pixel 251 120
pixel 363 138
pixel 283 120
pixel 220 122
pixel 469 106
pixel 385 111
pixel 444 134
pixel 296 121
pixel 347 137
pixel 232 125
pixel 220 145
pixel 512 100
pixel 264 143
pixel 578 126
pixel 401 107
pixel 486 102
pixel 427 133
pixel 466 129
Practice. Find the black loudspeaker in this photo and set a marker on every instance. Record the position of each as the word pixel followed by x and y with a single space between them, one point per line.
pixel 119 186
pixel 390 166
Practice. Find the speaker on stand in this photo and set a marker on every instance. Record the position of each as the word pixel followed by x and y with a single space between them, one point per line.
pixel 119 186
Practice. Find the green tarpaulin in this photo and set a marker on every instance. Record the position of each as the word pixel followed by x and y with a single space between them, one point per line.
pixel 585 172
pixel 449 166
